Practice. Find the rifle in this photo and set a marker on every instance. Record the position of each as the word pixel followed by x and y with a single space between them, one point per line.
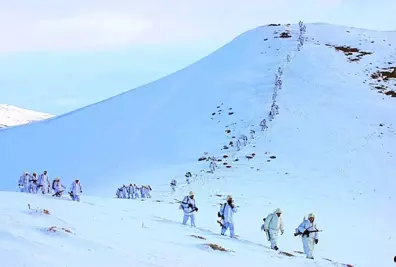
pixel 313 231
pixel 58 194
pixel 181 202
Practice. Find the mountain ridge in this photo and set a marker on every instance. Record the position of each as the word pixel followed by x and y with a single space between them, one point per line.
pixel 12 116
pixel 220 63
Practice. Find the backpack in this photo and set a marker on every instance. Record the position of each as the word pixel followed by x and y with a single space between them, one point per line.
pixel 181 204
pixel 221 214
pixel 262 226
pixel 184 202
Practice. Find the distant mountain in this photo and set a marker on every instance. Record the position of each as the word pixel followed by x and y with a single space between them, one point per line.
pixel 13 116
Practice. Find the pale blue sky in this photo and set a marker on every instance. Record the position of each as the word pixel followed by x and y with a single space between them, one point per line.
pixel 59 55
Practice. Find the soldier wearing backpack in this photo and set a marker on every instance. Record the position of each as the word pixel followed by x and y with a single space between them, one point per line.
pixel 188 207
pixel 58 187
pixel 273 224
pixel 226 212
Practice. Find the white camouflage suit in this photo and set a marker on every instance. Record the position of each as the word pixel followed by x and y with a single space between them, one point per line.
pixel 76 190
pixel 24 182
pixel 143 191
pixel 227 211
pixel 44 183
pixel 188 206
pixel 124 191
pixel 273 225
pixel 118 192
pixel 131 191
pixel 148 189
pixel 58 187
pixel 308 241
pixel 136 190
pixel 33 183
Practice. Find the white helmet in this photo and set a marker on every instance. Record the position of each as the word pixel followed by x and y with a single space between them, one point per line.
pixel 311 215
pixel 278 210
pixel 191 193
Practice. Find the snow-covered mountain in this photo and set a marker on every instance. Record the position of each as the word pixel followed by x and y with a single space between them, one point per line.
pixel 13 116
pixel 329 151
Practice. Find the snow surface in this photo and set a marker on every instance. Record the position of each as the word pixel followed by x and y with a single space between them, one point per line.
pixel 13 116
pixel 334 142
pixel 117 232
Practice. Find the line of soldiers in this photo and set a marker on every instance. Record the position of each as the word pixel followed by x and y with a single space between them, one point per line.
pixel 34 184
pixel 273 223
pixel 133 191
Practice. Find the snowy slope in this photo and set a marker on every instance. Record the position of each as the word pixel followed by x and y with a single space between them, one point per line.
pixel 163 124
pixel 113 232
pixel 334 142
pixel 13 116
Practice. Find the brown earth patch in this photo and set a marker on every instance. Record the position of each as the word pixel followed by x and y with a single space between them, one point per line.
pixel 385 75
pixel 354 54
pixel 217 247
pixel 285 34
pixel 198 237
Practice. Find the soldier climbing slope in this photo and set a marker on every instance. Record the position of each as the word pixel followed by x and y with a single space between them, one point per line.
pixel 188 176
pixel 57 187
pixel 44 183
pixel 272 226
pixel 24 182
pixel 173 185
pixel 188 207
pixel 226 212
pixel 76 190
pixel 309 234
